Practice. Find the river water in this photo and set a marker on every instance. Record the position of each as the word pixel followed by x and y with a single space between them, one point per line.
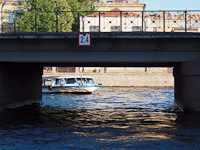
pixel 108 119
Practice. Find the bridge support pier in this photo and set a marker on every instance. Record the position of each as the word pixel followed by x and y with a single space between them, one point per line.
pixel 19 84
pixel 187 86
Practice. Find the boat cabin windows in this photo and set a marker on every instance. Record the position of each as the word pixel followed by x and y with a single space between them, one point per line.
pixel 57 81
pixel 90 81
pixel 79 80
pixel 84 80
pixel 70 81
pixel 46 82
pixel 62 82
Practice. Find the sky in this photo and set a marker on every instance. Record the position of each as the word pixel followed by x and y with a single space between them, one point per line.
pixel 171 4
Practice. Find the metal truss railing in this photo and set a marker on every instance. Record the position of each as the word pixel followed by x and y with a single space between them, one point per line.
pixel 192 21
pixel 175 21
pixel 153 22
pixel 100 21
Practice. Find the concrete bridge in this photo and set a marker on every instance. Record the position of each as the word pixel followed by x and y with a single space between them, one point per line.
pixel 22 56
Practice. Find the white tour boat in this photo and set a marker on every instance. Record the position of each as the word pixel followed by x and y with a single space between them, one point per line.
pixel 69 84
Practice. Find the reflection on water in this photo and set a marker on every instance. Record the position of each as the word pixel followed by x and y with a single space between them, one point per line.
pixel 110 118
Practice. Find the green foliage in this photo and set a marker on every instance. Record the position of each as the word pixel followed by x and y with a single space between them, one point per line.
pixel 45 16
pixel 52 15
pixel 81 5
pixel 85 7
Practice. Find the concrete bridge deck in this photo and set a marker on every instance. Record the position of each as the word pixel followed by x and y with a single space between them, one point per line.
pixel 107 49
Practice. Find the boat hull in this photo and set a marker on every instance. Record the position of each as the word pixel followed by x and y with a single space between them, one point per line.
pixel 70 89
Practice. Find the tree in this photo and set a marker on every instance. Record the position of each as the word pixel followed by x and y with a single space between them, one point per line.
pixel 80 8
pixel 81 5
pixel 45 16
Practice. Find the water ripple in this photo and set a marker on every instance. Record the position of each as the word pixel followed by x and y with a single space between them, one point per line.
pixel 110 118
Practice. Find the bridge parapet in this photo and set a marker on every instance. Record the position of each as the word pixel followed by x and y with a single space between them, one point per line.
pixel 101 21
pixel 101 35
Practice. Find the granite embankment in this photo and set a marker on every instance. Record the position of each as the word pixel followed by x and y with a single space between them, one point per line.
pixel 145 79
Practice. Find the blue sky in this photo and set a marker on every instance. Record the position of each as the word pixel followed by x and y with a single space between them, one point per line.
pixel 172 4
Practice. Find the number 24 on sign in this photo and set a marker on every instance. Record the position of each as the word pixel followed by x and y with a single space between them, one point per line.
pixel 84 39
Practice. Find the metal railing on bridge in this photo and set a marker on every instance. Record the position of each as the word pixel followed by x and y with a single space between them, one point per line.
pixel 100 21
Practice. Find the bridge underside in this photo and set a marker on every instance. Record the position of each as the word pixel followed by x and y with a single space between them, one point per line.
pixel 22 58
pixel 20 83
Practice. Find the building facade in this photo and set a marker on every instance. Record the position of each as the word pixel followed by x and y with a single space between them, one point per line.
pixel 8 7
pixel 124 5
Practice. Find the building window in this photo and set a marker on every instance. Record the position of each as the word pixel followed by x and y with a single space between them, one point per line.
pixel 136 28
pixel 94 28
pixel 10 17
pixel 115 29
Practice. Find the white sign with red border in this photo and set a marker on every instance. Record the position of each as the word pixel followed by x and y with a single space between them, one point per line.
pixel 84 39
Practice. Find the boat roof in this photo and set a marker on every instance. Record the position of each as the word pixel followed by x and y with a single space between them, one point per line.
pixel 61 77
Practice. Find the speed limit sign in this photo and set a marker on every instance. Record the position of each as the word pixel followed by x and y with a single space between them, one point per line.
pixel 84 39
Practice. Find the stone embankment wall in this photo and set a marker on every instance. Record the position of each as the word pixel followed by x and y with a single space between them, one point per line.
pixel 143 80
pixel 149 78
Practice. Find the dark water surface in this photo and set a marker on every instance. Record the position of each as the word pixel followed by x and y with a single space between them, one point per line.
pixel 109 119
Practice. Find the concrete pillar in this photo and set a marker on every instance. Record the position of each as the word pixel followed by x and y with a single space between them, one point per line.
pixel 77 70
pixel 20 84
pixel 54 69
pixel 187 86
